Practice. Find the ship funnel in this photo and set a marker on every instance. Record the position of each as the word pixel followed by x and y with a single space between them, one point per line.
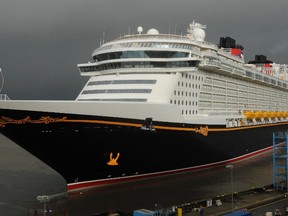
pixel 196 31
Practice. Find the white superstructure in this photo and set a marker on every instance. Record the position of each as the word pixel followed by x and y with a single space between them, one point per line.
pixel 208 83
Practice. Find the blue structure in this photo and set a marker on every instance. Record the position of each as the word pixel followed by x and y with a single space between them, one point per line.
pixel 239 213
pixel 280 161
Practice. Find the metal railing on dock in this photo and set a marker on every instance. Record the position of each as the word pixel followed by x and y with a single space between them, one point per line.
pixel 4 97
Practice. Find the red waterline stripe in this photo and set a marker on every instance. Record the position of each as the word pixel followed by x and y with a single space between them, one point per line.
pixel 88 184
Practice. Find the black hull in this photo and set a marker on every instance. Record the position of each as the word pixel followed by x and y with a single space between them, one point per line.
pixel 91 150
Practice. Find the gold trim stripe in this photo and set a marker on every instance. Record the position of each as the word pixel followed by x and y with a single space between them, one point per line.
pixel 47 119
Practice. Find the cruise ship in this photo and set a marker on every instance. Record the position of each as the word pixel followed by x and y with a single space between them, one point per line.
pixel 155 104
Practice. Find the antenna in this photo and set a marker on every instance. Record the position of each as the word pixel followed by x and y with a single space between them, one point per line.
pixel 2 80
pixel 175 28
pixel 104 35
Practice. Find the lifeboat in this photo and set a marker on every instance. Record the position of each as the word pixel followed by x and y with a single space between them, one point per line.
pixel 266 114
pixel 273 114
pixel 279 114
pixel 258 114
pixel 284 114
pixel 249 114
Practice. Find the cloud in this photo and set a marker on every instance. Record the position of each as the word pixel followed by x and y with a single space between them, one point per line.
pixel 280 45
pixel 46 39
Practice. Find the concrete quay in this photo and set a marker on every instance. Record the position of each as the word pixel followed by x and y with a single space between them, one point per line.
pixel 245 200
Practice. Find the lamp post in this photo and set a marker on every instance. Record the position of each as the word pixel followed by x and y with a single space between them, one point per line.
pixel 230 166
pixel 43 199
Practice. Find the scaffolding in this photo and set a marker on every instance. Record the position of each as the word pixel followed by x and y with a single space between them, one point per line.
pixel 280 161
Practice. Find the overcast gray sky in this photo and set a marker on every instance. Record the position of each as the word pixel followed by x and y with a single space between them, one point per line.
pixel 42 41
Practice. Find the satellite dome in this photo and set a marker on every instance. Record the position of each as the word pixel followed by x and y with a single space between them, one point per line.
pixel 152 31
pixel 196 31
pixel 139 29
pixel 198 34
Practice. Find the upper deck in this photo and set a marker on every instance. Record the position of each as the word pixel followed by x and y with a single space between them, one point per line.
pixel 153 52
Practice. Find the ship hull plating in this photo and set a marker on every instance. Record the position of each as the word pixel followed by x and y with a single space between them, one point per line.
pixel 90 150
